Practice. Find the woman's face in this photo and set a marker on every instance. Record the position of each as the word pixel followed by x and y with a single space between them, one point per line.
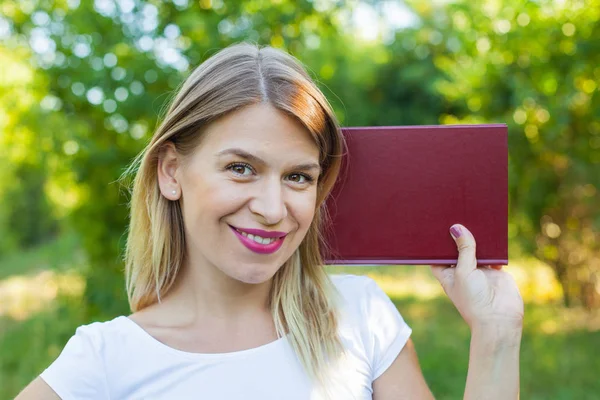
pixel 248 192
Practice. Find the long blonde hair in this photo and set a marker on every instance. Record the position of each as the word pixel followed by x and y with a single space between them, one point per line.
pixel 240 75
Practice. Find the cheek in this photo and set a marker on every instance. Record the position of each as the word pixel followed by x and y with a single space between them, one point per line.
pixel 207 201
pixel 304 210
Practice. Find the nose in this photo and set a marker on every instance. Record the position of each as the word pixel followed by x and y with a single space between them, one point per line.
pixel 269 202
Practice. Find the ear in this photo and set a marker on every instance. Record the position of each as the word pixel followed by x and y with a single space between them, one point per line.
pixel 169 163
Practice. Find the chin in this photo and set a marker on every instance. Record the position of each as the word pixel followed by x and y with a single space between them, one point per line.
pixel 254 276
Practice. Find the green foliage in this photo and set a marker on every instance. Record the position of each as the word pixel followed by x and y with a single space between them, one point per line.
pixel 109 89
pixel 73 117
pixel 98 92
pixel 553 366
pixel 31 216
pixel 61 254
pixel 534 65
pixel 26 215
pixel 28 347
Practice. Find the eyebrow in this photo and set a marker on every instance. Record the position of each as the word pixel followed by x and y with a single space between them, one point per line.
pixel 257 160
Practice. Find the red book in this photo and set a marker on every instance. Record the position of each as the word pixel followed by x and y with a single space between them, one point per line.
pixel 401 188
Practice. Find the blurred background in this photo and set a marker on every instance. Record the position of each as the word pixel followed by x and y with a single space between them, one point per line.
pixel 82 84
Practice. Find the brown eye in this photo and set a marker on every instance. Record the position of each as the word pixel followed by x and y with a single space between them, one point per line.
pixel 240 169
pixel 296 177
pixel 300 178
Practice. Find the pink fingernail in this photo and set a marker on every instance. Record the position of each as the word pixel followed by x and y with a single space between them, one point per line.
pixel 455 231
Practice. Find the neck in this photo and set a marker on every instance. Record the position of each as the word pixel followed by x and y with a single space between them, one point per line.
pixel 203 293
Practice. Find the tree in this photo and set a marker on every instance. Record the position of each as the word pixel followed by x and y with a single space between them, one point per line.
pixel 109 69
pixel 534 65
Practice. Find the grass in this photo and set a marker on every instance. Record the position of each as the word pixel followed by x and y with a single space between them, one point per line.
pixel 31 280
pixel 557 352
pixel 58 255
pixel 558 346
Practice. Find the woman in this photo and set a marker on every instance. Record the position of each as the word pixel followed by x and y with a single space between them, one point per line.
pixel 224 273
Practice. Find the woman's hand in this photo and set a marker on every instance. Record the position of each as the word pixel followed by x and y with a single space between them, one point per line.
pixel 485 296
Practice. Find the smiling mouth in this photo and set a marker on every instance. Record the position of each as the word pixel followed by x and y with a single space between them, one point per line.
pixel 258 244
pixel 256 238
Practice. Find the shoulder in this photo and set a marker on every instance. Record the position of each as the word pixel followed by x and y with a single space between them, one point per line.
pixel 99 334
pixel 94 336
pixel 80 369
pixel 370 321
pixel 357 291
pixel 349 285
pixel 97 330
pixel 363 303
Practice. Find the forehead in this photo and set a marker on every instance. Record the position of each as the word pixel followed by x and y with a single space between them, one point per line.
pixel 263 129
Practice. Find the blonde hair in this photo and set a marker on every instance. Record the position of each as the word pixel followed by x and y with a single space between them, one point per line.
pixel 302 296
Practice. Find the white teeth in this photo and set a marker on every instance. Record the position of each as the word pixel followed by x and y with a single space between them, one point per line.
pixel 256 238
pixel 261 240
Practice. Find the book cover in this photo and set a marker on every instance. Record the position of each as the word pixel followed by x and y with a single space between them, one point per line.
pixel 401 188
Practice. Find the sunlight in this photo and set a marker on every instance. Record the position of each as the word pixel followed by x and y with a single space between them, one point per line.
pixel 23 295
pixel 535 279
pixel 419 286
pixel 370 22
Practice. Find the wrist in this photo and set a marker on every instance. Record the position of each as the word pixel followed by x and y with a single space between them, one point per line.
pixel 503 334
pixel 494 362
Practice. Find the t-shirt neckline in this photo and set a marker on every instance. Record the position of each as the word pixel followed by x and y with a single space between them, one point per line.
pixel 239 353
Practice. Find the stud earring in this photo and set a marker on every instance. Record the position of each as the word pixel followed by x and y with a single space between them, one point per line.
pixel 174 192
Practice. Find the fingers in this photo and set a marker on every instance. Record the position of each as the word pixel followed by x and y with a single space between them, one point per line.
pixel 437 271
pixel 444 274
pixel 496 267
pixel 465 242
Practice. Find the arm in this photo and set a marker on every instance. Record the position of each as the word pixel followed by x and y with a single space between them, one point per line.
pixel 494 364
pixel 37 390
pixel 493 370
pixel 489 302
pixel 403 379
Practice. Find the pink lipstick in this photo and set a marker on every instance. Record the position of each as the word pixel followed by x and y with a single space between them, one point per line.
pixel 259 247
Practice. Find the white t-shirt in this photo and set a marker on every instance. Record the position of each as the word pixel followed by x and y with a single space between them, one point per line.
pixel 119 360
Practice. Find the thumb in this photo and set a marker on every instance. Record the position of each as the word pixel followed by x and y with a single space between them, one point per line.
pixel 465 242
